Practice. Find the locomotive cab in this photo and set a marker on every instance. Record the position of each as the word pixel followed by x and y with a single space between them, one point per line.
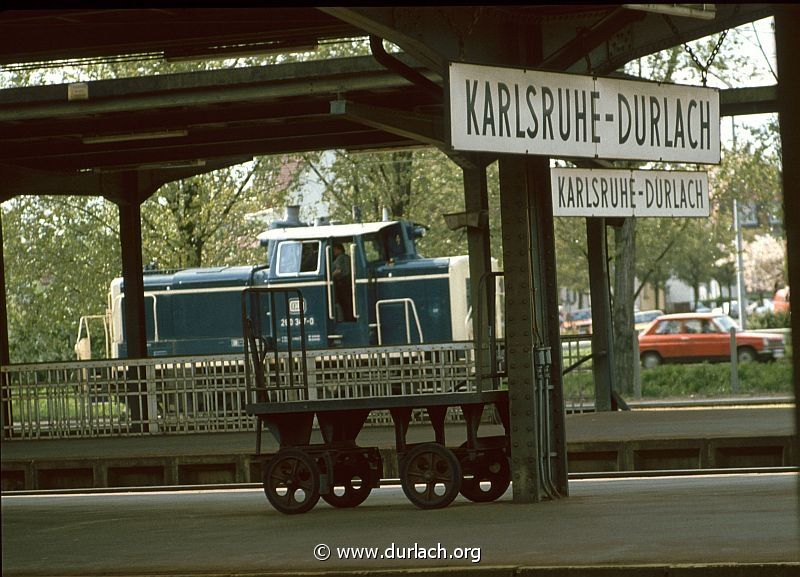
pixel 344 310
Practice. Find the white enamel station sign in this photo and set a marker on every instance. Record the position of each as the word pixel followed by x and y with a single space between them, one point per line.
pixel 510 110
pixel 616 192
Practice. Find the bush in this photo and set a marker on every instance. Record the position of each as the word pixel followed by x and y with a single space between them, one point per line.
pixel 696 380
pixel 579 387
pixel 770 320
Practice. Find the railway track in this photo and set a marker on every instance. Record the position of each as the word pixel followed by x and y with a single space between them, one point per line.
pixel 396 482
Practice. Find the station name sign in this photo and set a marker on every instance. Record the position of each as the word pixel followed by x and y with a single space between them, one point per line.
pixel 518 111
pixel 617 192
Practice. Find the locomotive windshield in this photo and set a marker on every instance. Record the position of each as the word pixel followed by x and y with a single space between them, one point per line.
pixel 298 257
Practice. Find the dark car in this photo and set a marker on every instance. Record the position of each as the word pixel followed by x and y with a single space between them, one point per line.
pixel 694 337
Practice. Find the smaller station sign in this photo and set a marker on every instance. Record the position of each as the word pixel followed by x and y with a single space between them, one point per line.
pixel 617 192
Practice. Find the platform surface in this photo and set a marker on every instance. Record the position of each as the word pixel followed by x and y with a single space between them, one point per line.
pixel 722 519
pixel 580 428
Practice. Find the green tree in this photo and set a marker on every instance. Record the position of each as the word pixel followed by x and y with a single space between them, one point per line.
pixel 572 255
pixel 418 185
pixel 65 250
pixel 693 255
pixel 60 254
pixel 655 240
pixel 699 249
pixel 202 221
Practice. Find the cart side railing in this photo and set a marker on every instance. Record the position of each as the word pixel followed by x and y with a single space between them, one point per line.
pixel 275 352
pixel 279 368
pixel 367 372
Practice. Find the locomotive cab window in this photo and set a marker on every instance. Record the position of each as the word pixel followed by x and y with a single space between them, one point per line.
pixel 298 258
pixel 372 249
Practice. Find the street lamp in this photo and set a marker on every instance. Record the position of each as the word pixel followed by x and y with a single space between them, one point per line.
pixel 741 295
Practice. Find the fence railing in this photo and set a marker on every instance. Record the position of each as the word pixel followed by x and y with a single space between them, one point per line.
pixel 134 397
pixel 124 397
pixel 574 348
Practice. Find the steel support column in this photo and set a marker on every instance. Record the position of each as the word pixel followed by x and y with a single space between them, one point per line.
pixel 130 228
pixel 130 232
pixel 601 313
pixel 787 42
pixel 5 356
pixel 550 322
pixel 537 434
pixel 520 340
pixel 476 199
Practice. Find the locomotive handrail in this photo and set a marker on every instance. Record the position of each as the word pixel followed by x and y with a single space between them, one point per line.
pixel 353 281
pixel 405 302
pixel 84 322
pixel 329 283
pixel 155 317
pixel 114 302
pixel 494 373
pixel 109 323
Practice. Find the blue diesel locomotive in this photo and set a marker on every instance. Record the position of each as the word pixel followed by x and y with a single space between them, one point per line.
pixel 395 295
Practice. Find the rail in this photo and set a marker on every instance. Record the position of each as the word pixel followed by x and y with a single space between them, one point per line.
pixel 576 350
pixel 124 397
pixel 406 302
pixel 201 394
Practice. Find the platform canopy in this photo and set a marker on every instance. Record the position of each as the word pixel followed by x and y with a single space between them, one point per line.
pixel 85 139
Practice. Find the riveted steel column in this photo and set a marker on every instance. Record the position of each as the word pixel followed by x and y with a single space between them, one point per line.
pixel 476 199
pixel 520 326
pixel 549 322
pixel 601 312
pixel 4 348
pixel 5 357
pixel 787 47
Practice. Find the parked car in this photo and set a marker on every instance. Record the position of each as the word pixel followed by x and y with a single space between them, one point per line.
pixel 643 318
pixel 694 337
pixel 579 321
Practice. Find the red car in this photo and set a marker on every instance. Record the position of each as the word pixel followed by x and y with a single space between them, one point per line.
pixel 694 337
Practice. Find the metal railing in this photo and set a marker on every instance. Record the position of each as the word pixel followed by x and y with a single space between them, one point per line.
pixel 180 395
pixel 574 349
pixel 124 397
pixel 406 302
pixel 374 372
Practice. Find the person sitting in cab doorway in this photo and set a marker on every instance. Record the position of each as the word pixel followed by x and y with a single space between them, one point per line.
pixel 343 288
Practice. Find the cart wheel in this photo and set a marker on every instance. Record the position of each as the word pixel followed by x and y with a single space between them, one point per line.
pixel 351 483
pixel 291 481
pixel 492 468
pixel 430 475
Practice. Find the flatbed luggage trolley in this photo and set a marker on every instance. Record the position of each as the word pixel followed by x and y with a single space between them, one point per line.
pixel 289 387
